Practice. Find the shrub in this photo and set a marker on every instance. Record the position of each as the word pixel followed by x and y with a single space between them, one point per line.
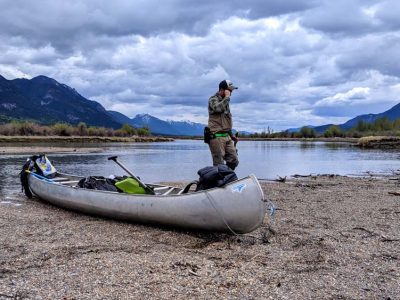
pixel 62 129
pixel 82 129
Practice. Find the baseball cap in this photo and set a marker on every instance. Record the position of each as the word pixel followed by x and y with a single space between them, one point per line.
pixel 227 85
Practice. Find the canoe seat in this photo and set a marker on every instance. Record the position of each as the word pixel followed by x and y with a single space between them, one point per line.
pixel 161 188
pixel 169 191
pixel 59 179
pixel 69 182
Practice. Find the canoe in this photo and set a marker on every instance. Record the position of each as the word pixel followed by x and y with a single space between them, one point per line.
pixel 237 207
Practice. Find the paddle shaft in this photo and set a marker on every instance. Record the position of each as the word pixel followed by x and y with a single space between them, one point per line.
pixel 115 159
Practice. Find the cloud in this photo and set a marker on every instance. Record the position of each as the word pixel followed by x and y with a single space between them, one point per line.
pixel 355 94
pixel 342 17
pixel 296 62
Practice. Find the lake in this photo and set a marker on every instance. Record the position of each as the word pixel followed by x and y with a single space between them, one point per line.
pixel 180 160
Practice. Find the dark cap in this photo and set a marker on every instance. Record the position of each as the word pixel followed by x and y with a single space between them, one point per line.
pixel 227 85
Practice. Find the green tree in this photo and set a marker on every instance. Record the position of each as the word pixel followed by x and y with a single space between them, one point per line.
pixel 307 132
pixel 383 124
pixel 361 126
pixel 396 124
pixel 145 131
pixel 333 131
pixel 128 130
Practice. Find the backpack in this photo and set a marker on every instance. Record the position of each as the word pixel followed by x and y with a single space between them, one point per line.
pixel 98 183
pixel 212 176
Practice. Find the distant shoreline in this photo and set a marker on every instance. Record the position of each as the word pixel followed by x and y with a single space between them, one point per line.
pixel 81 139
pixel 318 139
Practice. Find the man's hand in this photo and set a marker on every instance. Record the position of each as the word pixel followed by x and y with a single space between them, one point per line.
pixel 227 93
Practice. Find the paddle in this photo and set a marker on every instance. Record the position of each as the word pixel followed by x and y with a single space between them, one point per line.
pixel 147 189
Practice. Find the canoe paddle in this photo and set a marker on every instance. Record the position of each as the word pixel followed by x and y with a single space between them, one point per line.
pixel 147 189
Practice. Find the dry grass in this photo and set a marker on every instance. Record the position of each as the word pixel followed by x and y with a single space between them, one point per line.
pixel 379 142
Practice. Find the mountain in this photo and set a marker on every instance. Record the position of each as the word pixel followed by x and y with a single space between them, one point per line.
pixel 46 101
pixel 121 118
pixel 155 125
pixel 392 114
pixel 161 127
pixel 188 128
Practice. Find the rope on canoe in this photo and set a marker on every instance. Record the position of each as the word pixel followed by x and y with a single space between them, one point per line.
pixel 270 207
pixel 211 199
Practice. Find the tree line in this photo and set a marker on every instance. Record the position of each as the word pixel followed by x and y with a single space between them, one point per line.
pixel 381 126
pixel 27 128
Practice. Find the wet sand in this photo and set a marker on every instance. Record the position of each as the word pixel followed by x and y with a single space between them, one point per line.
pixel 331 238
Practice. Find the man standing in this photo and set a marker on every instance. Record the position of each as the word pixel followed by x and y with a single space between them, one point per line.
pixel 221 142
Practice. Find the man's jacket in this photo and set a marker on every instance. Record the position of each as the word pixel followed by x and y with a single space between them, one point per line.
pixel 219 114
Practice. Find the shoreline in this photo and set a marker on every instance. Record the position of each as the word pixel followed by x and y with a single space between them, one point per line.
pixel 94 139
pixel 332 237
pixel 81 139
pixel 319 139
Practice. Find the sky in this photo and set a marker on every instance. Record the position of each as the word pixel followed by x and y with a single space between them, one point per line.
pixel 296 62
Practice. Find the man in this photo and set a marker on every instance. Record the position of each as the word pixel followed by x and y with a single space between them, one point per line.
pixel 221 142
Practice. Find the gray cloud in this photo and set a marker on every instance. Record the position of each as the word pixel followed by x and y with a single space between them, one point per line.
pixel 296 62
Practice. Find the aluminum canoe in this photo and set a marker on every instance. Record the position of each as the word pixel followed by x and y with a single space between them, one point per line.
pixel 237 207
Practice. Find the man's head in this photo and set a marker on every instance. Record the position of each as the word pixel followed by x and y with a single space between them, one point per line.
pixel 227 85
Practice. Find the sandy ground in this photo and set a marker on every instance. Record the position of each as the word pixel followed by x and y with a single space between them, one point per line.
pixel 331 238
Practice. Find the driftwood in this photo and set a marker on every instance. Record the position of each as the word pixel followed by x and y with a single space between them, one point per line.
pixel 280 179
pixel 394 193
pixel 298 175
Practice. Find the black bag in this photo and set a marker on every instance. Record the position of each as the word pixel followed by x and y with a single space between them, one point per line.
pixel 208 136
pixel 215 176
pixel 98 183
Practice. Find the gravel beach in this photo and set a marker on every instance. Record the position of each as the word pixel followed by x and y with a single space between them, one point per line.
pixel 332 237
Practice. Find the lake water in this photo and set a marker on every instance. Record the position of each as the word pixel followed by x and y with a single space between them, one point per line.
pixel 180 160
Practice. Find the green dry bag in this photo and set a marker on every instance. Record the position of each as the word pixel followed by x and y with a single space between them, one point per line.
pixel 130 186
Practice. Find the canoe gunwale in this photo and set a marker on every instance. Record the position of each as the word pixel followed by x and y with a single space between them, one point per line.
pixel 252 176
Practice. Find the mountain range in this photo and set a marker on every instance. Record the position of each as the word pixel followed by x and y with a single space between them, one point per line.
pixel 46 101
pixel 392 114
pixel 158 126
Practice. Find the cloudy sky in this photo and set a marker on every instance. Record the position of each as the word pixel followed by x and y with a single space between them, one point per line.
pixel 296 62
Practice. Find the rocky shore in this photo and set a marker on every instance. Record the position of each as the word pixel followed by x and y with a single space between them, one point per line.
pixel 332 238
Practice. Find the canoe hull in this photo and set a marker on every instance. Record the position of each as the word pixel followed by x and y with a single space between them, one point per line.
pixel 238 206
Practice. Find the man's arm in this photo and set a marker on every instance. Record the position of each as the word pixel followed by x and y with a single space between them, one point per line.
pixel 218 106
